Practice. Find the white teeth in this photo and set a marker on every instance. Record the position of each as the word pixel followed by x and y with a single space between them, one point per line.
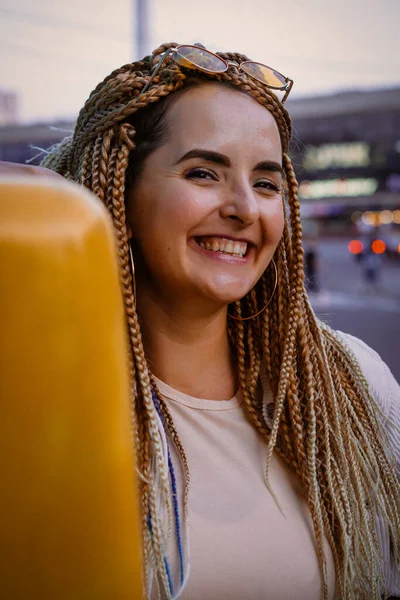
pixel 237 249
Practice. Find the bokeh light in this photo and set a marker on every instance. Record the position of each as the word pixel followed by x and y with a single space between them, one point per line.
pixel 378 246
pixel 386 217
pixel 355 247
pixel 369 218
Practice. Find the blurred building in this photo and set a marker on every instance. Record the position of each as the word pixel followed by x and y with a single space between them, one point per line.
pixel 345 150
pixel 20 143
pixel 8 108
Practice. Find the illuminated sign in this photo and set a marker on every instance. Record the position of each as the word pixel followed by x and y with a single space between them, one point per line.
pixel 331 188
pixel 352 154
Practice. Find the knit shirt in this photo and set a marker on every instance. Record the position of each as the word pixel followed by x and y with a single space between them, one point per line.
pixel 242 544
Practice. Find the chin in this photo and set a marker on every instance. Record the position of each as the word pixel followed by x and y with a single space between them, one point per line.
pixel 226 294
pixel 223 288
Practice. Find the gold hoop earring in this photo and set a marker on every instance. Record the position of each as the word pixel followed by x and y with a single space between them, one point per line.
pixel 264 307
pixel 132 273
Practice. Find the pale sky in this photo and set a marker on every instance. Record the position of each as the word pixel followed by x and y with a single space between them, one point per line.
pixel 54 52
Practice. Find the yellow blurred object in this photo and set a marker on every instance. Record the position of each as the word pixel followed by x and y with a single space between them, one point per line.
pixel 69 526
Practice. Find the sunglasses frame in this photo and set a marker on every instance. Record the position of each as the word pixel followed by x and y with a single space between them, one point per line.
pixel 287 86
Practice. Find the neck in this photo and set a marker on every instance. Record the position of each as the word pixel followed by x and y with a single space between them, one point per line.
pixel 188 349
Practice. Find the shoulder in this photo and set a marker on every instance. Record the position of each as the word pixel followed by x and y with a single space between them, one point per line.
pixel 386 392
pixel 381 382
pixel 362 351
pixel 382 385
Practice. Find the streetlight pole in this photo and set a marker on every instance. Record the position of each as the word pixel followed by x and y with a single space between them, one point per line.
pixel 142 29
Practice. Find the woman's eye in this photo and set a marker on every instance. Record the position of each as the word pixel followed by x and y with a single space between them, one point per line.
pixel 204 174
pixel 267 185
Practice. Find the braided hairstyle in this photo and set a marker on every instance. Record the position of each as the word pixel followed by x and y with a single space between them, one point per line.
pixel 325 424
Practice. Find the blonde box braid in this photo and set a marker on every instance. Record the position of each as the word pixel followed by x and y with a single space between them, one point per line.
pixel 325 425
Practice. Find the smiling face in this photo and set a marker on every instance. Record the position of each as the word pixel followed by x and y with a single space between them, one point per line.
pixel 206 211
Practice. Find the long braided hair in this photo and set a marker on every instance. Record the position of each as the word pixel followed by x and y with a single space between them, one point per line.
pixel 325 424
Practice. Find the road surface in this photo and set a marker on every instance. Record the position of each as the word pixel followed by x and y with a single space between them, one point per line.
pixel 345 303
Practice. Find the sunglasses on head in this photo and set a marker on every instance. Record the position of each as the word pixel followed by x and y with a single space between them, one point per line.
pixel 200 59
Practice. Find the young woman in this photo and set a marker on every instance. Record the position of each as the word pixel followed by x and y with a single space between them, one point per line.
pixel 266 443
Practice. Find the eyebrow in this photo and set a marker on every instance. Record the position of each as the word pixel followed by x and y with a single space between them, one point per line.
pixel 209 155
pixel 221 159
pixel 269 165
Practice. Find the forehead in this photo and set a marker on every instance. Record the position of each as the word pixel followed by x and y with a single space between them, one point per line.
pixel 215 116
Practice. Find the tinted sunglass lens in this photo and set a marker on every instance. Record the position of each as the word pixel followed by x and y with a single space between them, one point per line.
pixel 192 57
pixel 264 74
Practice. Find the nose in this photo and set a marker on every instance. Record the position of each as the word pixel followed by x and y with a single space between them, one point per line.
pixel 240 204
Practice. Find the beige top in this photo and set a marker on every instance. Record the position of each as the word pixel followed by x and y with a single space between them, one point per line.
pixel 241 544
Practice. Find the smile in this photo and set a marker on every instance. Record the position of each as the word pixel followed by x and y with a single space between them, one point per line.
pixel 217 244
pixel 224 248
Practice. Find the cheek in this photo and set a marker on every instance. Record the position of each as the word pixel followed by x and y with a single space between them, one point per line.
pixel 169 202
pixel 149 216
pixel 160 218
pixel 273 223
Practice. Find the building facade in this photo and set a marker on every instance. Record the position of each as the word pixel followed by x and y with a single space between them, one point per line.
pixel 346 151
